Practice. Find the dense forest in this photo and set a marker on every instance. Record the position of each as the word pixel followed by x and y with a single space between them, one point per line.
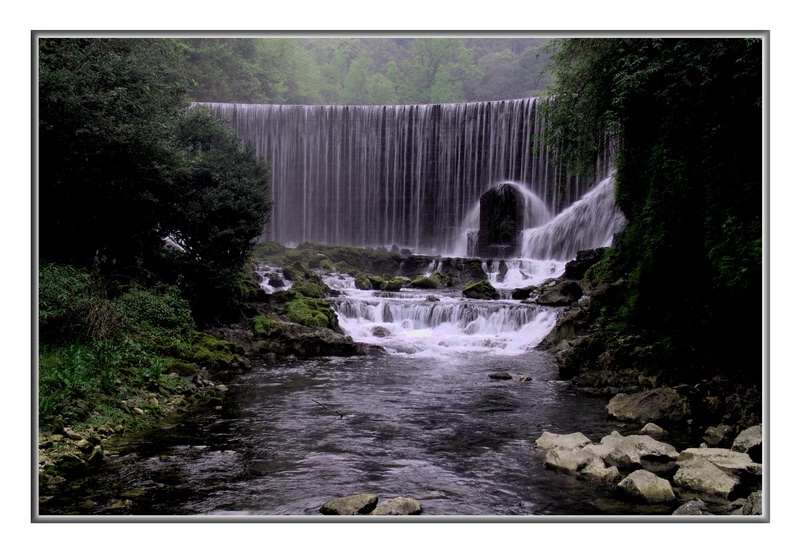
pixel 423 70
pixel 688 117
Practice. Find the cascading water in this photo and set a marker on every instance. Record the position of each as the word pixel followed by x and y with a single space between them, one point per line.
pixel 396 175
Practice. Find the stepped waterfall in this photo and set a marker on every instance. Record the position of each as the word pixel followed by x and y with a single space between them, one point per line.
pixel 407 176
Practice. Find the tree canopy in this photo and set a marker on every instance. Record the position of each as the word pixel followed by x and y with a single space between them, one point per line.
pixel 123 163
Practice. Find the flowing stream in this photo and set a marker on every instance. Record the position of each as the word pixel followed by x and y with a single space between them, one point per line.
pixel 424 421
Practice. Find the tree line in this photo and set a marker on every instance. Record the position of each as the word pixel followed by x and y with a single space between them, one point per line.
pixel 424 70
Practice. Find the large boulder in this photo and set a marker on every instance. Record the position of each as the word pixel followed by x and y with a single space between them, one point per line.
pixel 562 293
pixel 645 486
pixel 617 450
pixel 734 463
pixel 350 505
pixel 400 506
pixel 577 268
pixel 702 476
pixel 657 405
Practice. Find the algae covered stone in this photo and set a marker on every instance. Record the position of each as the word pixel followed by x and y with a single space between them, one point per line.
pixel 481 290
pixel 312 312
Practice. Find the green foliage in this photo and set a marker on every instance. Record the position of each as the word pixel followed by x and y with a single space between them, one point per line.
pixel 156 311
pixel 106 113
pixel 687 114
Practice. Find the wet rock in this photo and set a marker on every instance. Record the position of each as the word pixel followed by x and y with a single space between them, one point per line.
pixel 718 435
pixel 482 290
pixel 568 460
pixel 500 375
pixel 400 506
pixel 704 477
pixel 647 487
pixel 572 441
pixel 596 469
pixel 653 430
pixel 72 434
pixel 749 442
pixel 577 268
pixel 657 405
pixel 350 505
pixel 381 332
pixel 525 378
pixel 562 293
pixel 693 507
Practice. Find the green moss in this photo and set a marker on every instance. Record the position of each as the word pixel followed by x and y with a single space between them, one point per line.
pixel 363 282
pixel 310 289
pixel 395 284
pixel 263 326
pixel 424 283
pixel 327 265
pixel 482 290
pixel 297 271
pixel 311 312
pixel 375 282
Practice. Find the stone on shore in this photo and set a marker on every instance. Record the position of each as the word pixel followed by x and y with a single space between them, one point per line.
pixel 500 376
pixel 753 504
pixel 400 506
pixel 568 460
pixel 647 487
pixel 657 405
pixel 734 463
pixel 350 505
pixel 572 441
pixel 653 430
pixel 692 508
pixel 704 477
pixel 749 442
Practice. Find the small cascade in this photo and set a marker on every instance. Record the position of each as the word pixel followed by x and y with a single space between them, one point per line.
pixel 588 223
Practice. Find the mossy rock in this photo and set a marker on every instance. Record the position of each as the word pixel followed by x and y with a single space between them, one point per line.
pixel 425 283
pixel 297 271
pixel 315 259
pixel 481 290
pixel 327 265
pixel 211 352
pixel 375 282
pixel 312 312
pixel 264 326
pixel 182 368
pixel 309 289
pixel 265 249
pixel 443 279
pixel 394 284
pixel 363 282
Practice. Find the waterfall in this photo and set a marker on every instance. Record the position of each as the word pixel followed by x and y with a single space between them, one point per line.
pixel 395 175
pixel 588 223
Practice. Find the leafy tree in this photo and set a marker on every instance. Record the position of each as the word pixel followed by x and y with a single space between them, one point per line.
pixel 687 115
pixel 438 68
pixel 216 206
pixel 106 112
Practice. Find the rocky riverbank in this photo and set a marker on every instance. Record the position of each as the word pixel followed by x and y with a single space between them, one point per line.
pixel 644 468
